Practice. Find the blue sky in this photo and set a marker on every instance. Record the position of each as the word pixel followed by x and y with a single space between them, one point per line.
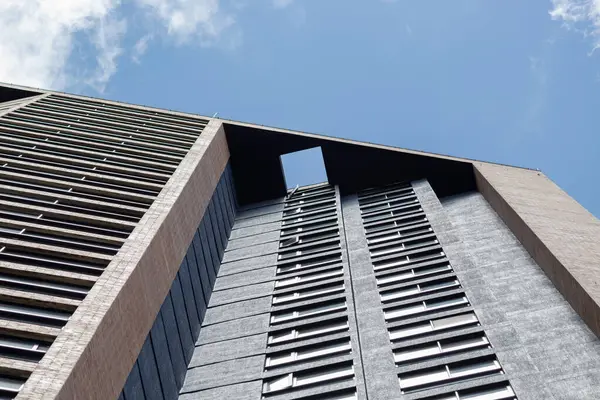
pixel 516 82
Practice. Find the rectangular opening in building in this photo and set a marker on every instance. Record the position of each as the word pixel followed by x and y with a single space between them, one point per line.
pixel 305 167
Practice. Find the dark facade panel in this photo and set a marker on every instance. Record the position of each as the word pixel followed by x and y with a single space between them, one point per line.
pixel 149 371
pixel 196 283
pixel 181 316
pixel 134 390
pixel 209 243
pixel 173 340
pixel 256 164
pixel 189 299
pixel 164 361
pixel 201 266
pixel 168 349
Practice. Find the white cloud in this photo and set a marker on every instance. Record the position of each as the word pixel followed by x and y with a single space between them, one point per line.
pixel 533 117
pixel 140 47
pixel 106 39
pixel 186 20
pixel 579 15
pixel 38 37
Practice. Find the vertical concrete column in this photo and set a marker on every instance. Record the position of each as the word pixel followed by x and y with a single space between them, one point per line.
pixel 445 232
pixel 376 351
pixel 359 369
pixel 561 235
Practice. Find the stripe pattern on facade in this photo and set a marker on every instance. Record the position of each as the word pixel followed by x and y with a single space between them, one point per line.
pixel 439 347
pixel 309 346
pixel 76 176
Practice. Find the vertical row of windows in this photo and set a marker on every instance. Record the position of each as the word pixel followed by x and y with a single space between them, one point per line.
pixel 309 351
pixel 435 334
pixel 76 176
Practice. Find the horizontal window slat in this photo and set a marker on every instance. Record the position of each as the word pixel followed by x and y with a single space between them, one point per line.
pixel 10 135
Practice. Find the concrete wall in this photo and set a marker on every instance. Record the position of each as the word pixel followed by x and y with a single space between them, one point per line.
pixel 377 361
pixel 546 349
pixel 229 354
pixel 161 366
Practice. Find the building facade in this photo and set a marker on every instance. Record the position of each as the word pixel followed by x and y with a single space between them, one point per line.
pixel 150 254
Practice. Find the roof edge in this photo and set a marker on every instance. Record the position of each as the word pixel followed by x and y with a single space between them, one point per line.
pixel 365 143
pixel 271 128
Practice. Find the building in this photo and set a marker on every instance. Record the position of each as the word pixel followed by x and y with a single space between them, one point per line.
pixel 152 254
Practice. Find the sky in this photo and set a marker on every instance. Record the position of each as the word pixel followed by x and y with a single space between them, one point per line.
pixel 512 81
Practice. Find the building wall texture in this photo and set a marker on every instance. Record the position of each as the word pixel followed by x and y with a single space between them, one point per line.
pixel 228 357
pixel 546 349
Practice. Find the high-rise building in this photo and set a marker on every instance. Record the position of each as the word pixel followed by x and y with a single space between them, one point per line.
pixel 151 254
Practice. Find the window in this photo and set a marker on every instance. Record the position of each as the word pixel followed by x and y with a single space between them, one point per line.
pixel 308 278
pixel 451 345
pixel 310 198
pixel 277 384
pixel 321 328
pixel 310 207
pixel 413 273
pixel 419 289
pixel 308 353
pixel 326 223
pixel 408 244
pixel 308 293
pixel 385 236
pixel 289 242
pixel 387 204
pixel 24 349
pixel 305 218
pixel 454 371
pixel 309 238
pixel 378 194
pixel 58 240
pixel 11 385
pixel 44 260
pixel 426 306
pixel 309 264
pixel 420 256
pixel 42 286
pixel 319 248
pixel 397 222
pixel 35 314
pixel 492 392
pixel 304 378
pixel 306 192
pixel 340 397
pixel 433 325
pixel 393 212
pixel 308 311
